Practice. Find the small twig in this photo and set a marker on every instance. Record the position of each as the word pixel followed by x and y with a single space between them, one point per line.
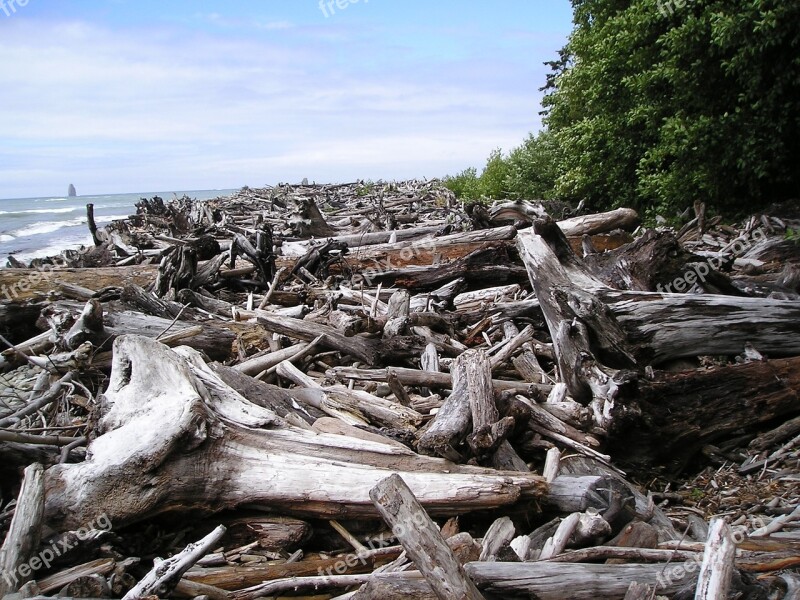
pixel 175 320
pixel 39 440
pixel 272 287
pixel 669 560
pixel 69 448
pixel 52 394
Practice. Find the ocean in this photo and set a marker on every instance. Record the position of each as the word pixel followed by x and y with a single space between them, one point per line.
pixel 37 227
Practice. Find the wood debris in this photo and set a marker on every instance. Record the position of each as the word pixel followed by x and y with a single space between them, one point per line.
pixel 371 391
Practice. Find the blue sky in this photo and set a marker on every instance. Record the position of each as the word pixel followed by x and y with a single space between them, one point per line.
pixel 133 95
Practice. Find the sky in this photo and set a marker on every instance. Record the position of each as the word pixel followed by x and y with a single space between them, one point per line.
pixel 131 95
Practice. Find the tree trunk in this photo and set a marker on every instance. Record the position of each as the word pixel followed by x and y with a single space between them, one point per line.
pixel 170 444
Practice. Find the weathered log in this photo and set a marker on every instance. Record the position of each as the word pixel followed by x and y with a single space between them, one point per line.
pixel 215 338
pixel 431 379
pixel 23 535
pixel 491 263
pixel 210 449
pixel 672 417
pixel 422 540
pixel 370 351
pixel 653 327
pixel 639 591
pixel 248 581
pixel 489 431
pixel 454 419
pixel 57 581
pixel 541 580
pixel 620 218
pixel 166 575
pixel 359 240
pixel 500 534
pixel 716 572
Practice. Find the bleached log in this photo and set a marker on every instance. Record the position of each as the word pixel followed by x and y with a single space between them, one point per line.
pixel 541 580
pixel 214 338
pixel 620 218
pixel 454 419
pixel 430 379
pixel 489 430
pixel 551 464
pixel 255 365
pixel 209 449
pixel 166 574
pixel 500 533
pixel 23 535
pixel 650 326
pixel 358 240
pixel 422 540
pixel 716 572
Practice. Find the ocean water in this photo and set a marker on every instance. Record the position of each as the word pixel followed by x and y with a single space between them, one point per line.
pixel 37 227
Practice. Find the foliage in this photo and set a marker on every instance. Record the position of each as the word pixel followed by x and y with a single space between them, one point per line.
pixel 533 168
pixel 659 103
pixel 656 103
pixel 365 188
pixel 490 185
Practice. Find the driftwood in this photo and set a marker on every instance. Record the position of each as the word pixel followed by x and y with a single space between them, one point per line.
pixel 422 540
pixel 184 432
pixel 24 533
pixel 362 322
pixel 716 572
pixel 672 417
pixel 167 573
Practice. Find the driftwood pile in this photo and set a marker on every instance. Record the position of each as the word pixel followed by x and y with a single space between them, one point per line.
pixel 371 391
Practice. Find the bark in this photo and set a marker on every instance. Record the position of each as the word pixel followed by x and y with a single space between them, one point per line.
pixel 670 419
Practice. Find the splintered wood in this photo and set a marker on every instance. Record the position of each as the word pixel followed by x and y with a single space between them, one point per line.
pixel 370 390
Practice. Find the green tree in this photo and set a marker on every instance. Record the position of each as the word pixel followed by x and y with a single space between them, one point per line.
pixel 490 185
pixel 654 105
pixel 532 168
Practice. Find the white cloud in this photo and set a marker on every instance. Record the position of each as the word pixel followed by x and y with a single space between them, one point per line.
pixel 127 109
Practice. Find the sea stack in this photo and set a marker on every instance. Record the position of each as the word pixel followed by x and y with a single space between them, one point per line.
pixel 71 192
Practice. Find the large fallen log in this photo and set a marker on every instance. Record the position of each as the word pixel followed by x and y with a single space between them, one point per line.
pixel 23 284
pixel 673 417
pixel 650 326
pixel 541 580
pixel 604 338
pixel 176 438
